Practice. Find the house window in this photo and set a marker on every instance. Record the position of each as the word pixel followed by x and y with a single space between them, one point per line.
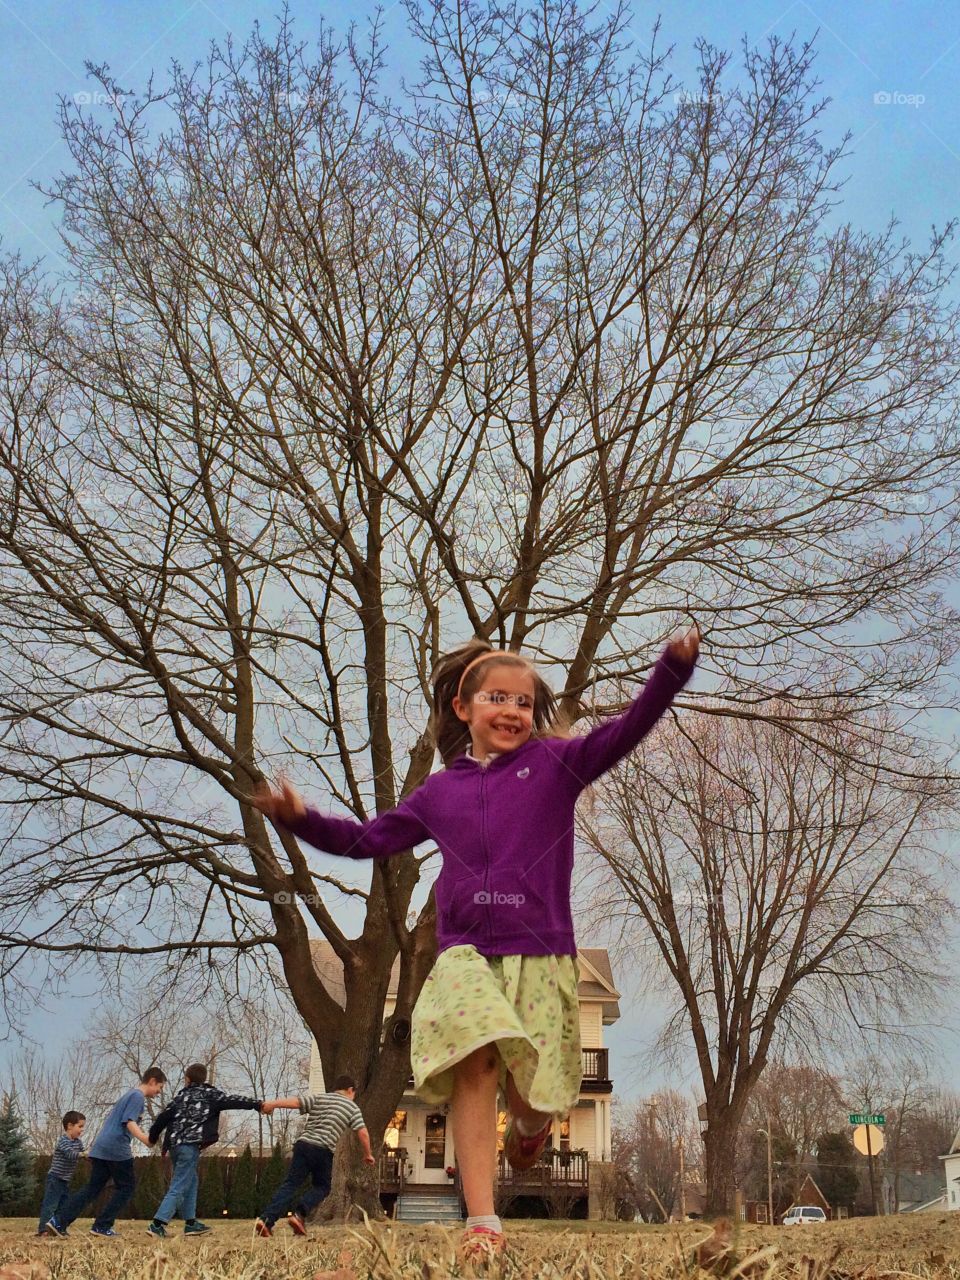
pixel 564 1140
pixel 397 1125
pixel 761 1214
pixel 501 1128
pixel 435 1141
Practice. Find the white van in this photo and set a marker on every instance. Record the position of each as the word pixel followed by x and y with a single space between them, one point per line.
pixel 802 1215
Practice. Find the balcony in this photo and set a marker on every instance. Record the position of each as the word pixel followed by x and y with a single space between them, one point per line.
pixel 596 1071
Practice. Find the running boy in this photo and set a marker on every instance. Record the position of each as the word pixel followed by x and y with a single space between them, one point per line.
pixel 328 1116
pixel 66 1153
pixel 499 1008
pixel 111 1158
pixel 191 1122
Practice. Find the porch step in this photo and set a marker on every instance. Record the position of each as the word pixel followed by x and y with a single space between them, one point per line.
pixel 429 1206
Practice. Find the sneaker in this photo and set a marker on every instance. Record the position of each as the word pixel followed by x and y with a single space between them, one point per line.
pixel 195 1228
pixel 481 1244
pixel 54 1227
pixel 157 1229
pixel 108 1232
pixel 262 1228
pixel 522 1151
pixel 297 1224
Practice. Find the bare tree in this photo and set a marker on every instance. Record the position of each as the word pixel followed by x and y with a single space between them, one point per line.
pixel 539 350
pixel 269 1059
pixel 47 1086
pixel 797 1102
pixel 786 890
pixel 652 1140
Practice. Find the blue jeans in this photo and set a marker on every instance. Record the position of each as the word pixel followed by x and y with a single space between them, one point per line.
pixel 120 1173
pixel 182 1193
pixel 309 1160
pixel 56 1191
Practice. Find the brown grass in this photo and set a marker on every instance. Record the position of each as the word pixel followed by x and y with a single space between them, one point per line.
pixel 922 1245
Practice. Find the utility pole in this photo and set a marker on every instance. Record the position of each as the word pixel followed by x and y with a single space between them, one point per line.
pixel 766 1131
pixel 683 1189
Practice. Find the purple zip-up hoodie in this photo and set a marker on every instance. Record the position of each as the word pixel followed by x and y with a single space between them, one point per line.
pixel 505 830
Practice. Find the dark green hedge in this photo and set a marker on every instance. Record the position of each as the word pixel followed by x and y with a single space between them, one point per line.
pixel 229 1186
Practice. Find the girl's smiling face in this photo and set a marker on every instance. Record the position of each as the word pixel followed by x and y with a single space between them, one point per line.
pixel 500 713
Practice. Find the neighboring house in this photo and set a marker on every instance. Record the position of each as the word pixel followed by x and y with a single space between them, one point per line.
pixel 810 1193
pixel 419 1143
pixel 951 1173
pixel 918 1191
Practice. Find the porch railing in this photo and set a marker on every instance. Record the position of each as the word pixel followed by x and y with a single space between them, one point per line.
pixel 555 1170
pixel 596 1065
pixel 596 1068
pixel 393 1163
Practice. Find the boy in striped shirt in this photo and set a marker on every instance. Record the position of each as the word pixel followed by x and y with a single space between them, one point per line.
pixel 66 1153
pixel 328 1116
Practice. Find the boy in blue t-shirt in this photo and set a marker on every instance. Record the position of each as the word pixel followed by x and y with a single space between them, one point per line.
pixel 66 1153
pixel 111 1158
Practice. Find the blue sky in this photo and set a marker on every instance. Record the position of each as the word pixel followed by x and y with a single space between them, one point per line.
pixel 890 69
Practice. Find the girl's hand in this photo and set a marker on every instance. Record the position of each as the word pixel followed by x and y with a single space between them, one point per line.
pixel 284 804
pixel 685 645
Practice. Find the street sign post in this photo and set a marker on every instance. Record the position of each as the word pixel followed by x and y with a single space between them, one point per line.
pixel 869 1141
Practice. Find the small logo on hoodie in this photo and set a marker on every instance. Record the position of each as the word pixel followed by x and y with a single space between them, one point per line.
pixel 523 773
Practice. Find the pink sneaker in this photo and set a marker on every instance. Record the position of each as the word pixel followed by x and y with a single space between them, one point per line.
pixel 523 1151
pixel 481 1244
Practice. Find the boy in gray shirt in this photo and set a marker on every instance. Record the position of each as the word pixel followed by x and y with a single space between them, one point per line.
pixel 66 1153
pixel 328 1116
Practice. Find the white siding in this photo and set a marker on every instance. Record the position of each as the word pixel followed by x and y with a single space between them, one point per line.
pixel 591 1025
pixel 583 1128
pixel 315 1084
pixel 951 1169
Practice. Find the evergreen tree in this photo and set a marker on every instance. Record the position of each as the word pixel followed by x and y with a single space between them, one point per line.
pixel 151 1186
pixel 212 1197
pixel 837 1175
pixel 271 1175
pixel 17 1175
pixel 243 1201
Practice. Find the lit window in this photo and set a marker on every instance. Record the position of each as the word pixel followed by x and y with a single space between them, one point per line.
pixel 565 1133
pixel 397 1125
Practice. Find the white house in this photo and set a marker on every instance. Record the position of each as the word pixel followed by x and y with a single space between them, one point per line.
pixel 419 1143
pixel 951 1173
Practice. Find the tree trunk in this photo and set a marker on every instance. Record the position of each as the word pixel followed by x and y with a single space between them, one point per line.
pixel 720 1151
pixel 355 1186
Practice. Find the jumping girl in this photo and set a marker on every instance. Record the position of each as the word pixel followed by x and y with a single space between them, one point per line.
pixel 500 1007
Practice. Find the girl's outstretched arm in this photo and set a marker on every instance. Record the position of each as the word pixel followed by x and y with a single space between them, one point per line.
pixel 589 756
pixel 389 833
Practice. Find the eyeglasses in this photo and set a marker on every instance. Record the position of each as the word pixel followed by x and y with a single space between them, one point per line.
pixel 522 701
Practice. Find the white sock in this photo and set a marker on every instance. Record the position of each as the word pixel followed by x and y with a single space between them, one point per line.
pixel 525 1129
pixel 486 1220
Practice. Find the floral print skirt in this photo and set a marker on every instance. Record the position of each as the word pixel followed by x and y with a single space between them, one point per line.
pixel 526 1005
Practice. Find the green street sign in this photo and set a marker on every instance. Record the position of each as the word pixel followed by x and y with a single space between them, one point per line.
pixel 857 1118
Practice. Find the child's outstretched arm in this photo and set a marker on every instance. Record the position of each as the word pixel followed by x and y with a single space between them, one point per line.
pixel 380 837
pixel 589 756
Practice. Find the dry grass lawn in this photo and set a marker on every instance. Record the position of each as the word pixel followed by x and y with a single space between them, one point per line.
pixel 923 1245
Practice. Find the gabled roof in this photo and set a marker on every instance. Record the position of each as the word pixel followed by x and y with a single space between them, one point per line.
pixel 596 976
pixel 802 1196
